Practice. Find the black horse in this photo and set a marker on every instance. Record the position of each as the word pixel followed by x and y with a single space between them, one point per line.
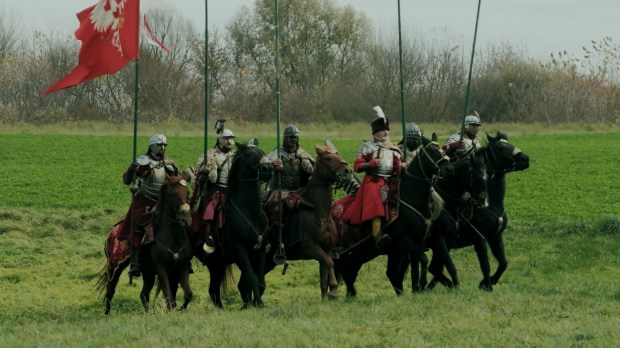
pixel 166 257
pixel 485 226
pixel 245 229
pixel 418 206
pixel 461 191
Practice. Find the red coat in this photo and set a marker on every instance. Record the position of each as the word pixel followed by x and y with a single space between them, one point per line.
pixel 368 203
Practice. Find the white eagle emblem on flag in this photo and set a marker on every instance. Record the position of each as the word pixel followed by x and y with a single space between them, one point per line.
pixel 108 18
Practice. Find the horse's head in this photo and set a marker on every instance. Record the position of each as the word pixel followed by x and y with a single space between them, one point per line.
pixel 174 198
pixel 431 160
pixel 330 166
pixel 505 157
pixel 251 164
pixel 470 174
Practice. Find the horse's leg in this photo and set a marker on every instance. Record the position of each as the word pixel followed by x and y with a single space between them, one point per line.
pixel 164 283
pixel 248 279
pixel 317 253
pixel 441 249
pixel 187 290
pixel 497 248
pixel 174 288
pixel 111 286
pixel 148 281
pixel 423 261
pixel 216 279
pixel 480 246
pixel 397 264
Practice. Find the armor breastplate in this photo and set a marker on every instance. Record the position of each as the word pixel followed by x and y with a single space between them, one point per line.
pixel 291 178
pixel 382 155
pixel 150 186
pixel 224 167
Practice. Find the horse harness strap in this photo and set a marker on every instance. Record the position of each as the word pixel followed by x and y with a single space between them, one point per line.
pixel 258 234
pixel 427 221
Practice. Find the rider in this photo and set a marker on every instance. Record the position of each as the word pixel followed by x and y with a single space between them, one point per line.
pixel 455 147
pixel 294 167
pixel 380 159
pixel 150 171
pixel 212 185
pixel 413 141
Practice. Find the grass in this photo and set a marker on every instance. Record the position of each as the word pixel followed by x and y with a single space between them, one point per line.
pixel 62 192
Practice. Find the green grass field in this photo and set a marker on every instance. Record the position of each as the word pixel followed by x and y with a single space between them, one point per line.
pixel 61 193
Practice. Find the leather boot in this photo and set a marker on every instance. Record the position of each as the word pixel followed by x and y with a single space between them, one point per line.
pixel 380 237
pixel 134 262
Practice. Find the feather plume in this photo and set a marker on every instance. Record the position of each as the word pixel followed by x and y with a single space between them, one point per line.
pixel 219 126
pixel 379 111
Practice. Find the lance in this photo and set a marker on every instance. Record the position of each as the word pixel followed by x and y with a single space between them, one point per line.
pixel 471 64
pixel 402 84
pixel 206 83
pixel 279 257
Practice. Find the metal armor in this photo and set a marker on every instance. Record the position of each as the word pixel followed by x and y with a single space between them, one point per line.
pixel 218 164
pixel 383 155
pixel 151 184
pixel 296 168
pixel 410 154
pixel 468 144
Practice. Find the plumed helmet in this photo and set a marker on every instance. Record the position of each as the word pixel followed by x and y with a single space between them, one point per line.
pixel 158 139
pixel 226 133
pixel 380 123
pixel 473 119
pixel 291 131
pixel 412 130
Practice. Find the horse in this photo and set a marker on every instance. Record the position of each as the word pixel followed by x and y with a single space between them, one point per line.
pixel 418 206
pixel 315 226
pixel 486 225
pixel 245 230
pixel 166 257
pixel 465 188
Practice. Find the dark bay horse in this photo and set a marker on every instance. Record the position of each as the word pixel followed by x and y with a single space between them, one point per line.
pixel 167 256
pixel 486 226
pixel 418 206
pixel 317 228
pixel 245 233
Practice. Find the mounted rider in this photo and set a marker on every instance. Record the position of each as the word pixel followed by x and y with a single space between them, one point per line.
pixel 456 147
pixel 375 200
pixel 293 169
pixel 211 188
pixel 411 143
pixel 150 172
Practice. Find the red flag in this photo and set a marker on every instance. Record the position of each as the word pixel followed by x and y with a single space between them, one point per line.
pixel 109 32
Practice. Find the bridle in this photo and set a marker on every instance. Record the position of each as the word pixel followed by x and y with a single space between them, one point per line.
pixel 335 176
pixel 178 211
pixel 435 163
pixel 492 157
pixel 255 167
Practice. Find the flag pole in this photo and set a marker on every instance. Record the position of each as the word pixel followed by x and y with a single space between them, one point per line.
pixel 402 84
pixel 206 84
pixel 133 188
pixel 471 65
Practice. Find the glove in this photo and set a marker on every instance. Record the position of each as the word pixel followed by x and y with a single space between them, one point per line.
pixel 373 164
pixel 456 145
pixel 131 170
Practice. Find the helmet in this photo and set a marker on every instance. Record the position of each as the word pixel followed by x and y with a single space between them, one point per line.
pixel 473 119
pixel 291 131
pixel 226 133
pixel 412 130
pixel 158 139
pixel 380 124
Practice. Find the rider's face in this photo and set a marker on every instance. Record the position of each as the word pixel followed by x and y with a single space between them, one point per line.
pixel 225 144
pixel 472 130
pixel 291 142
pixel 160 150
pixel 381 135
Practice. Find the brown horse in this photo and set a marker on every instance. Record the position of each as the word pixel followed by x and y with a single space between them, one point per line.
pixel 316 227
pixel 166 256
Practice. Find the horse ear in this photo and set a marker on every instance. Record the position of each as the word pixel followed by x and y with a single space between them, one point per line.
pixel 434 137
pixel 490 138
pixel 319 149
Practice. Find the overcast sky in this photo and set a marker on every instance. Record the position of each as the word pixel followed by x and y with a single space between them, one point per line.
pixel 539 27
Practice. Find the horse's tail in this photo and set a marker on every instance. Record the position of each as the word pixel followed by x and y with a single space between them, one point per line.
pixel 228 280
pixel 102 282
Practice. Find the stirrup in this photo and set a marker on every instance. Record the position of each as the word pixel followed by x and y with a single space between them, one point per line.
pixel 382 240
pixel 208 249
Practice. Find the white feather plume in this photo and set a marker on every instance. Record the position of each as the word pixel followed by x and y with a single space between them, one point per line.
pixel 379 111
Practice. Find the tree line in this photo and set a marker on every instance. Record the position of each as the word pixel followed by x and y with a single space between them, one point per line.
pixel 333 66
